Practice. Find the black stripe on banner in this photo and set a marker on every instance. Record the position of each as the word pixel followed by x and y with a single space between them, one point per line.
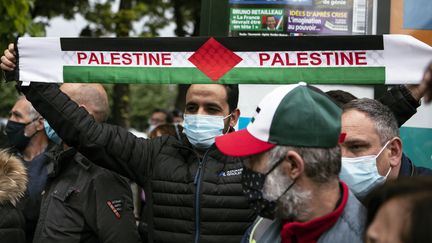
pixel 304 43
pixel 167 44
pixel 190 44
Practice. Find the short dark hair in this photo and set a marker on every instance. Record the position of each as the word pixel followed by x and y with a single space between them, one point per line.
pixel 232 91
pixel 340 97
pixel 232 96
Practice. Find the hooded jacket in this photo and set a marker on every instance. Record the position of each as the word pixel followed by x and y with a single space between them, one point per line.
pixel 13 181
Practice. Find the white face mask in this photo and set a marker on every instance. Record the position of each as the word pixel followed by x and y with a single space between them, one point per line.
pixel 201 130
pixel 361 173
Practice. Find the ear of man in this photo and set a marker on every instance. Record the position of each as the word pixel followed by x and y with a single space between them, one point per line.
pixel 39 124
pixel 394 149
pixel 234 117
pixel 293 165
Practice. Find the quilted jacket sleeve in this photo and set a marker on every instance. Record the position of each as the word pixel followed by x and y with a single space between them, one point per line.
pixel 109 146
pixel 401 103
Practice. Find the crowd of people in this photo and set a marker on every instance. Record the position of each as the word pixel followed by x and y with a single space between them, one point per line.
pixel 310 167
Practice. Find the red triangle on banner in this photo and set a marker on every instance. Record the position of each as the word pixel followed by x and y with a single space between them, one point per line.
pixel 214 59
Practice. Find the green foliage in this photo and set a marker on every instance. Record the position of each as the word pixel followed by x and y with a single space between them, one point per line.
pixel 103 21
pixel 53 8
pixel 145 98
pixel 8 96
pixel 16 20
pixel 19 16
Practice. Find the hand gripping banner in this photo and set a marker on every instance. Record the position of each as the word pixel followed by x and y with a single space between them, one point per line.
pixel 389 59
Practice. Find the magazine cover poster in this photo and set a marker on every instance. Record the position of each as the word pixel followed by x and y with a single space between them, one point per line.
pixel 300 17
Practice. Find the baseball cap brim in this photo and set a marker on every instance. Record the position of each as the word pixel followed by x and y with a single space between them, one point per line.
pixel 241 143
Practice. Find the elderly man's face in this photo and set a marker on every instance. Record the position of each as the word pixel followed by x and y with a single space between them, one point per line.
pixel 362 139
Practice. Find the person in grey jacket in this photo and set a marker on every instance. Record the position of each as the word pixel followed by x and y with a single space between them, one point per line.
pixel 292 167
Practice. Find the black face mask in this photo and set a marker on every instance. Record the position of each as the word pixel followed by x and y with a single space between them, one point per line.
pixel 15 134
pixel 253 183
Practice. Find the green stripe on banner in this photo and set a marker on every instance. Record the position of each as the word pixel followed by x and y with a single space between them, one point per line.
pixel 172 75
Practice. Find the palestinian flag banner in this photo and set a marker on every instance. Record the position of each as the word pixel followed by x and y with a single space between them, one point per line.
pixel 389 59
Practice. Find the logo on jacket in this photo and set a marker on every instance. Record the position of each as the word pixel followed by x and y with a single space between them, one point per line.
pixel 234 172
pixel 116 207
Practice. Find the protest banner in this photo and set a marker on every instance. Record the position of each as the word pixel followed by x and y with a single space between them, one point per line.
pixel 388 59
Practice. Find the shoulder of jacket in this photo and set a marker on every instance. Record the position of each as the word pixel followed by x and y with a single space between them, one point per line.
pixel 353 217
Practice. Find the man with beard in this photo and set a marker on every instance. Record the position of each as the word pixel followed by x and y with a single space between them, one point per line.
pixel 291 171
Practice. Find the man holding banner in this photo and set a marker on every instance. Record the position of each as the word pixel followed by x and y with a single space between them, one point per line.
pixel 193 192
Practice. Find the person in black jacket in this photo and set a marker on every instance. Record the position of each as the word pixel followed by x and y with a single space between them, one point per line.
pixel 83 202
pixel 193 192
pixel 13 180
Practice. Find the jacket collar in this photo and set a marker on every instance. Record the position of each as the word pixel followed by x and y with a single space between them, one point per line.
pixel 311 230
pixel 186 149
pixel 407 167
pixel 60 159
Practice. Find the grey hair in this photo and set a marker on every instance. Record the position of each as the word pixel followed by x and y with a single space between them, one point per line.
pixel 384 120
pixel 32 111
pixel 320 164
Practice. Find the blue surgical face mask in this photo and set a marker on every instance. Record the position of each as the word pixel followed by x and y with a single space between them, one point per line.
pixel 51 134
pixel 361 173
pixel 201 130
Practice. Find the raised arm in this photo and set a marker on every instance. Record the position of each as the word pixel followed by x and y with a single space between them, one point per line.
pixel 403 100
pixel 109 146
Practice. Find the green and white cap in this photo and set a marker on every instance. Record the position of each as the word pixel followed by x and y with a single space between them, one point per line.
pixel 292 115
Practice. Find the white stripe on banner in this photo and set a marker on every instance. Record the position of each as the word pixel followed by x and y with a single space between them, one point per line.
pixel 40 60
pixel 405 59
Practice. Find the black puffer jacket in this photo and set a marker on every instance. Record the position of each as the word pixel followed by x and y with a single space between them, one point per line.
pixel 189 197
pixel 13 181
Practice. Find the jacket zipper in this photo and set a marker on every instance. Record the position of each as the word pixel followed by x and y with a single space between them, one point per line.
pixel 197 183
